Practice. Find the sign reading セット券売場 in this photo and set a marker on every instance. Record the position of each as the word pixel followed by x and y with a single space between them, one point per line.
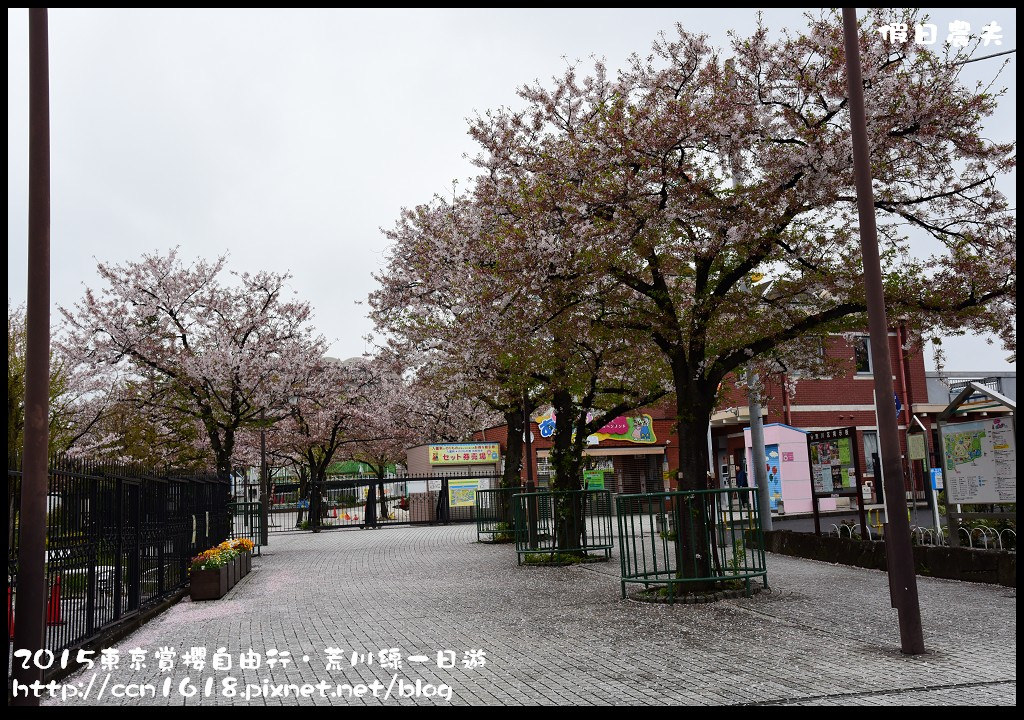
pixel 463 453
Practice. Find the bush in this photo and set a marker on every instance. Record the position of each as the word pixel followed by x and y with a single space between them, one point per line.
pixel 558 558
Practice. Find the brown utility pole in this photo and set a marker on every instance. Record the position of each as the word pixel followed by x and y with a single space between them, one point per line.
pixel 899 554
pixel 30 600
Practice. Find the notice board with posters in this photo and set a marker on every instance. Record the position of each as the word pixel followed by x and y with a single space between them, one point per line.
pixel 835 468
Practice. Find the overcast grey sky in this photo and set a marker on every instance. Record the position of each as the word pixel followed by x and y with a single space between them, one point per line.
pixel 290 137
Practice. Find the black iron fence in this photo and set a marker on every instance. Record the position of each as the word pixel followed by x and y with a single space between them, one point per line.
pixel 367 502
pixel 245 520
pixel 118 538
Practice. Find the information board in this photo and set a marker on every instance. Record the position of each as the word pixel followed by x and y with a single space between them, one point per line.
pixel 980 460
pixel 833 459
pixel 916 449
pixel 462 492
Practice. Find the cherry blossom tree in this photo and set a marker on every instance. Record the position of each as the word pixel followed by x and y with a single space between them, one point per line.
pixel 517 315
pixel 130 429
pixel 438 302
pixel 325 413
pixel 220 355
pixel 695 175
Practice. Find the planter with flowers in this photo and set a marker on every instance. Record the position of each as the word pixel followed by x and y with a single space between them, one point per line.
pixel 215 571
pixel 208 575
pixel 244 546
pixel 233 559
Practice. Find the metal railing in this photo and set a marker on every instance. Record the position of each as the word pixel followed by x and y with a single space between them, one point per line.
pixel 563 525
pixel 849 531
pixel 118 538
pixel 494 514
pixel 977 537
pixel 673 542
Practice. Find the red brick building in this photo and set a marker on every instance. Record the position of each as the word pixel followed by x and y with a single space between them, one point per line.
pixel 842 401
pixel 650 464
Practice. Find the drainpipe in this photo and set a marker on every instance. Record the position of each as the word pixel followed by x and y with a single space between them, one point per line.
pixel 786 406
pixel 903 374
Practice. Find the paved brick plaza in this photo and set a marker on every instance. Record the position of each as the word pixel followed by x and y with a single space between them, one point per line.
pixel 824 635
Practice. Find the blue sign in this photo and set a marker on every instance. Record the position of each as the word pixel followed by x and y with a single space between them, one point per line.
pixel 936 478
pixel 303 504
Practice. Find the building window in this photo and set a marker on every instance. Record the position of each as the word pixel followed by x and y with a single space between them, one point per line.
pixel 870 448
pixel 862 355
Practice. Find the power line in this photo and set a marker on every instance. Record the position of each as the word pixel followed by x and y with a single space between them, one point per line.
pixel 985 57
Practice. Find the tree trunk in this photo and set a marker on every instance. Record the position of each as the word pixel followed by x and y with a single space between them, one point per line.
pixel 566 457
pixel 223 467
pixel 383 500
pixel 303 494
pixel 370 511
pixel 567 465
pixel 695 542
pixel 512 476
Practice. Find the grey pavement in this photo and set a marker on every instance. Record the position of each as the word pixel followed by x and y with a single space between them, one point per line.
pixel 824 635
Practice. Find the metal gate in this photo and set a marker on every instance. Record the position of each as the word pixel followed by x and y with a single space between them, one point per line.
pixel 417 500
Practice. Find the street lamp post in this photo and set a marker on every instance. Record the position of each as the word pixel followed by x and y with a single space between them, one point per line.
pixel 30 628
pixel 900 560
pixel 264 480
pixel 760 462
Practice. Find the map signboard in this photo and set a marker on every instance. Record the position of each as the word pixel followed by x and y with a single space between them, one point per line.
pixel 462 492
pixel 980 460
